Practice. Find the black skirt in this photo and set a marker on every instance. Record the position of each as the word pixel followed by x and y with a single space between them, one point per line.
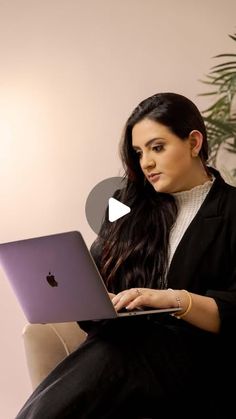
pixel 144 367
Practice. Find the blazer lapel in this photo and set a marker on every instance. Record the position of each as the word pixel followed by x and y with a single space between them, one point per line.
pixel 199 235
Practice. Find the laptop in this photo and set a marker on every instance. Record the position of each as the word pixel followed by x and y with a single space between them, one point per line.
pixel 55 279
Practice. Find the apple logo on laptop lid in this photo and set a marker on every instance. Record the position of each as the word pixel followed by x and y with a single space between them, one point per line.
pixel 51 280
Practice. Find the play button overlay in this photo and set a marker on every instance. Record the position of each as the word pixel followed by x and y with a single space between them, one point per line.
pixel 101 198
pixel 116 209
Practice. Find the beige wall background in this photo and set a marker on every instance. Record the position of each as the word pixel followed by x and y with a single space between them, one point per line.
pixel 71 71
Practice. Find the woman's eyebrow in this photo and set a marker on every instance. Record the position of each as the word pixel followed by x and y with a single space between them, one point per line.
pixel 148 142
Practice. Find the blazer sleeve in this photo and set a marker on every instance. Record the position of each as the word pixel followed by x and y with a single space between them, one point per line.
pixel 226 302
pixel 226 296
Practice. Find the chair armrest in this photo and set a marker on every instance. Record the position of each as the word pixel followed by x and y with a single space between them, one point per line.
pixel 48 344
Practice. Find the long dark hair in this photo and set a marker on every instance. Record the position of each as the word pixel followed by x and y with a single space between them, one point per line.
pixel 133 251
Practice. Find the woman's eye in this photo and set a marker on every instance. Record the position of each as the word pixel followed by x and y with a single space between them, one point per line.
pixel 158 147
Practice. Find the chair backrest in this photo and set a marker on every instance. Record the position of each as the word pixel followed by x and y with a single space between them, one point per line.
pixel 48 344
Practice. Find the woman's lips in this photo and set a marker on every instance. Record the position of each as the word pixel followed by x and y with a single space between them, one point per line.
pixel 154 178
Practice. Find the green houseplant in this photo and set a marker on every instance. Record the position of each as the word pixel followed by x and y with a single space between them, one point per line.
pixel 220 117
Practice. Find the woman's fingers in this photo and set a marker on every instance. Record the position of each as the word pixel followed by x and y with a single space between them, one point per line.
pixel 137 297
pixel 133 296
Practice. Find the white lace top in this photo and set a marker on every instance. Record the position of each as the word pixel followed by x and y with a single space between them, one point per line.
pixel 188 203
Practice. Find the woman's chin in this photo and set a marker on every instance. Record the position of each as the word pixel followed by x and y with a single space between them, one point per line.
pixel 160 187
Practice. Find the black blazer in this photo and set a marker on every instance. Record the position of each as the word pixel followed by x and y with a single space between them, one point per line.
pixel 205 259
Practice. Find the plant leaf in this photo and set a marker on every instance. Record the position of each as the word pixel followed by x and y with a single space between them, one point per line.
pixel 224 69
pixel 225 64
pixel 208 94
pixel 220 118
pixel 224 55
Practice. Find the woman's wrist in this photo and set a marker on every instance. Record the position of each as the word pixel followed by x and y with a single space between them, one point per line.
pixel 187 306
pixel 183 300
pixel 175 298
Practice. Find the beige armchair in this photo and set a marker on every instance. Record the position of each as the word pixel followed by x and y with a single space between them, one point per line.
pixel 48 344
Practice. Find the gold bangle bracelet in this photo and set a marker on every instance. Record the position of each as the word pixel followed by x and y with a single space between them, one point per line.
pixel 181 315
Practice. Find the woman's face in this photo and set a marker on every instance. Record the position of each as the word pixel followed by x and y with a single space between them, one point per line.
pixel 163 153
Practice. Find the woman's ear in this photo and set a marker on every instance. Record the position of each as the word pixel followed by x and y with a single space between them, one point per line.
pixel 195 139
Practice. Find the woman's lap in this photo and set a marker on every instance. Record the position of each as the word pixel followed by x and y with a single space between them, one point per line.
pixel 123 365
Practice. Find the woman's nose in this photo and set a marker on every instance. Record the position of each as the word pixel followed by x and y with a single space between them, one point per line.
pixel 147 162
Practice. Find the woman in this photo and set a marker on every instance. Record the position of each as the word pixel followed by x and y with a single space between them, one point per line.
pixel 176 248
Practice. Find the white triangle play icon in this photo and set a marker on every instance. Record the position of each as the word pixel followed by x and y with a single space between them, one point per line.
pixel 116 209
